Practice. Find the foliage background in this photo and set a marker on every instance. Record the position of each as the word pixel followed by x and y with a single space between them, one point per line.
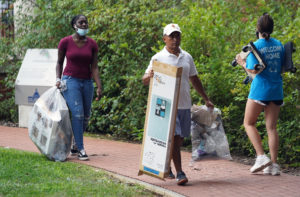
pixel 130 32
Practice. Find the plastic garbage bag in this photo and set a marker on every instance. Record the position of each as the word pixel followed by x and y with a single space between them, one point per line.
pixel 49 125
pixel 209 141
pixel 203 115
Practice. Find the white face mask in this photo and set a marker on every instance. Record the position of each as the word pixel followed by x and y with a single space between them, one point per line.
pixel 81 32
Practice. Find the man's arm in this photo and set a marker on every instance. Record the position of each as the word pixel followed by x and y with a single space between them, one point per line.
pixel 196 82
pixel 147 76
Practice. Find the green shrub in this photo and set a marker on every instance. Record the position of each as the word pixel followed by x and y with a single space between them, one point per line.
pixel 8 65
pixel 126 34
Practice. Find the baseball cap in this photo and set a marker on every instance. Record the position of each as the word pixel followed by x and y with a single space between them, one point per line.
pixel 170 28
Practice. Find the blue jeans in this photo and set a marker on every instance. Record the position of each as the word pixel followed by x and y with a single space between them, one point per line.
pixel 78 95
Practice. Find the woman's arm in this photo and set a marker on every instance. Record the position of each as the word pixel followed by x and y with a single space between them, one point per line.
pixel 242 62
pixel 95 75
pixel 59 65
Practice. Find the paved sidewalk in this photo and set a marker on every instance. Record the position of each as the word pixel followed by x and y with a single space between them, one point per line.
pixel 206 178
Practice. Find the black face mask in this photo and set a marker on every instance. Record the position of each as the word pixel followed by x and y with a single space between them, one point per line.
pixel 257 34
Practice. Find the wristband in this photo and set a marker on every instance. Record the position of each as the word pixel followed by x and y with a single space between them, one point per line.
pixel 57 80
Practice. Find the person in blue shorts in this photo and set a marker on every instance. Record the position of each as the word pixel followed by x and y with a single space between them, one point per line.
pixel 266 94
pixel 174 55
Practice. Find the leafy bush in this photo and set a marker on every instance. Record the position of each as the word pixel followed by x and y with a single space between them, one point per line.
pixel 130 32
pixel 126 33
pixel 9 66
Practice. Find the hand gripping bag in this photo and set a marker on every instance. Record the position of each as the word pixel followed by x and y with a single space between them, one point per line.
pixel 49 125
pixel 203 115
pixel 208 135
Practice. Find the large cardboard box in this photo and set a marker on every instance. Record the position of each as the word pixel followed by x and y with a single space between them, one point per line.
pixel 36 75
pixel 160 120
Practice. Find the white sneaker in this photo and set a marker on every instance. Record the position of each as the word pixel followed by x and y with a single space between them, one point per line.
pixel 267 170
pixel 261 162
pixel 273 169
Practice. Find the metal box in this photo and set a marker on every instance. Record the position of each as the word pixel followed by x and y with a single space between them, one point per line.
pixel 36 75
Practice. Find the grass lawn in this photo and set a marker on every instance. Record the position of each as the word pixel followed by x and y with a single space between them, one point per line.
pixel 31 174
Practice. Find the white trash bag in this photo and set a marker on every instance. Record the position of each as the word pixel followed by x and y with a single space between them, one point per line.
pixel 49 125
pixel 203 115
pixel 208 135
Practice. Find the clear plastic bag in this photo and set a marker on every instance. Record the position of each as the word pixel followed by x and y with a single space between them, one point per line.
pixel 49 125
pixel 203 115
pixel 209 141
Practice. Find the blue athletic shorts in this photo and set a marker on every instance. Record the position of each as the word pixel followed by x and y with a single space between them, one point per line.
pixel 183 122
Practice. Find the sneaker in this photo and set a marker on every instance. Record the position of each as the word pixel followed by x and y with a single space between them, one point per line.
pixel 82 155
pixel 262 161
pixel 171 175
pixel 74 150
pixel 267 170
pixel 181 178
pixel 273 169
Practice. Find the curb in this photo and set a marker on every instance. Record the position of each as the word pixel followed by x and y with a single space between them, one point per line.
pixel 148 186
pixel 125 179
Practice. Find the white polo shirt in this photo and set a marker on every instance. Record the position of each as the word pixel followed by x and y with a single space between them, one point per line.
pixel 185 61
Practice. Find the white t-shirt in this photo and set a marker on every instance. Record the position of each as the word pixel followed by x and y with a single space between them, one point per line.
pixel 185 61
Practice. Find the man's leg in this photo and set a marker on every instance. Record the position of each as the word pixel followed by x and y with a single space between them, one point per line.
pixel 180 177
pixel 176 153
pixel 183 126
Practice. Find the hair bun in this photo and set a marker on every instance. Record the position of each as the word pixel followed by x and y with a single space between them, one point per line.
pixel 265 25
pixel 265 35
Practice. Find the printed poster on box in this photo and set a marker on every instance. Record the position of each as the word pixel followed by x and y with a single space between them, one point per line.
pixel 160 120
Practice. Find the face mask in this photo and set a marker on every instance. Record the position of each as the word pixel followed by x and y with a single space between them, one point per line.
pixel 82 32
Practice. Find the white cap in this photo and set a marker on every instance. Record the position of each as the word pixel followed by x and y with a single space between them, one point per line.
pixel 170 28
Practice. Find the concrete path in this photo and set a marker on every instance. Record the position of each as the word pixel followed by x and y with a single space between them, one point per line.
pixel 206 178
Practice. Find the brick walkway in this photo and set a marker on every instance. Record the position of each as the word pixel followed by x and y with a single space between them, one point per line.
pixel 206 178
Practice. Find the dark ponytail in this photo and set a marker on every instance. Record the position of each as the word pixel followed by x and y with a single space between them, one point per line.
pixel 265 25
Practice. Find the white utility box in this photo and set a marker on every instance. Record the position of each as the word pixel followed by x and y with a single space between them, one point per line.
pixel 36 75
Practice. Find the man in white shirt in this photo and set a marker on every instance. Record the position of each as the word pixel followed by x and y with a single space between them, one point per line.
pixel 174 55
